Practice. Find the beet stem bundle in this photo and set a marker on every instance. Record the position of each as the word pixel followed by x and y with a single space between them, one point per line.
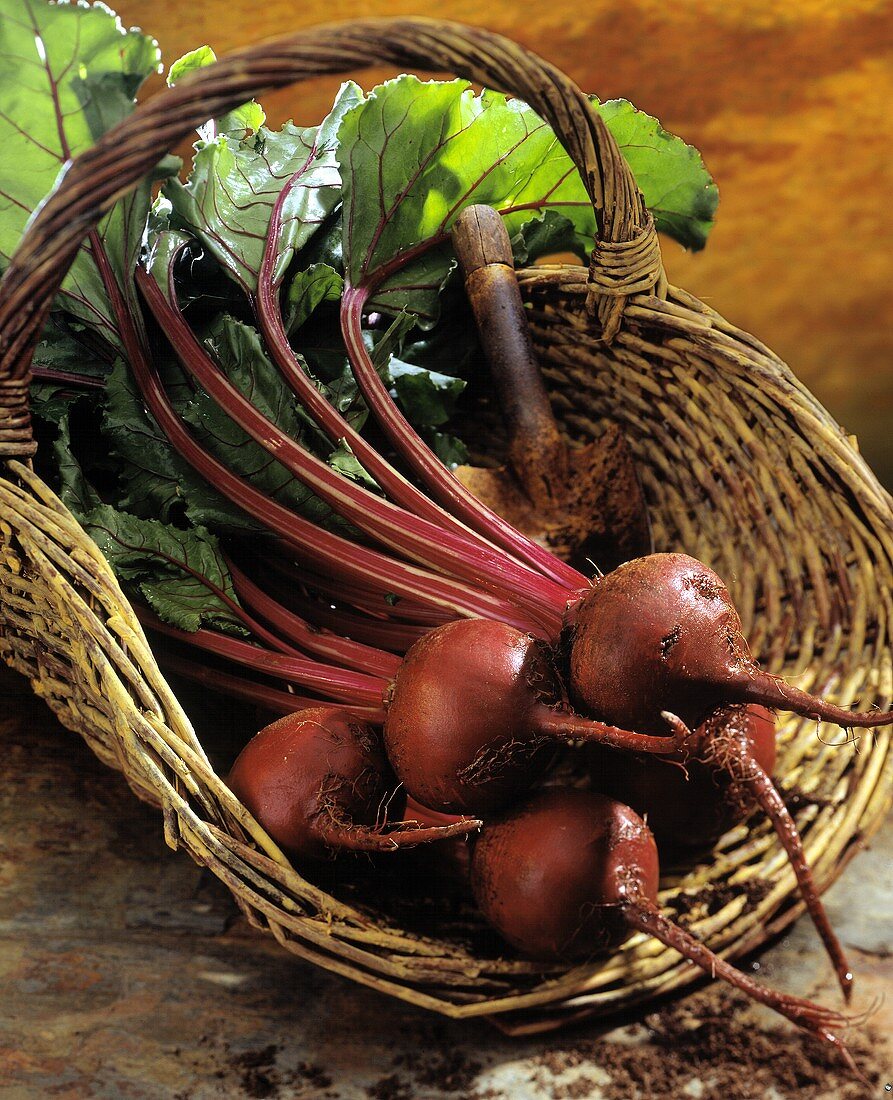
pixel 310 542
pixel 343 685
pixel 436 477
pixel 271 699
pixel 333 647
pixel 401 491
pixel 419 539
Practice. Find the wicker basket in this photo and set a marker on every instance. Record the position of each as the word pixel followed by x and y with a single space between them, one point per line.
pixel 741 466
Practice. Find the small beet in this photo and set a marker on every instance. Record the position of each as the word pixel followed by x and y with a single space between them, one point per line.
pixel 571 873
pixel 474 714
pixel 661 633
pixel 318 781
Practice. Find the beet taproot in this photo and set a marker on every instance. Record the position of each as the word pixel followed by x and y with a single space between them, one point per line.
pixel 722 777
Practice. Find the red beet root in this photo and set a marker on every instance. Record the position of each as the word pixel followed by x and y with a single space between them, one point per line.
pixel 726 776
pixel 473 716
pixel 571 873
pixel 318 781
pixel 660 633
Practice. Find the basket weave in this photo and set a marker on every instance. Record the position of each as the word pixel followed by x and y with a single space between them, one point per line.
pixel 741 467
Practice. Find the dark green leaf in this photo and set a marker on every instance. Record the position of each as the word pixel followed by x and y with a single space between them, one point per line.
pixel 427 398
pixel 74 490
pixel 64 350
pixel 308 290
pixel 162 560
pixel 345 462
pixel 541 235
pixel 383 345
pixel 449 449
pixel 238 350
pixel 155 480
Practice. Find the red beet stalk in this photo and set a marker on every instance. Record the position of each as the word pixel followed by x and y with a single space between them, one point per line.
pixel 329 646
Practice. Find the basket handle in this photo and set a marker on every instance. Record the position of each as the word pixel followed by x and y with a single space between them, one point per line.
pixel 625 259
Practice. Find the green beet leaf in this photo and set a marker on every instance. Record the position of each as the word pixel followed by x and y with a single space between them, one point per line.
pixel 74 490
pixel 345 462
pixel 237 349
pixel 234 185
pixel 167 565
pixel 65 351
pixel 451 451
pixel 238 124
pixel 427 397
pixel 676 186
pixel 308 290
pixel 154 480
pixel 413 155
pixel 69 72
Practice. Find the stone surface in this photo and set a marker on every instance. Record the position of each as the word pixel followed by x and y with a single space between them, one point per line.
pixel 126 973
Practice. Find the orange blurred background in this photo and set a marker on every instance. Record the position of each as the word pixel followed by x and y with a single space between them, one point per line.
pixel 789 104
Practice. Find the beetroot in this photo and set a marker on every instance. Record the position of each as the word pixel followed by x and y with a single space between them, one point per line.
pixel 725 777
pixel 318 781
pixel 473 716
pixel 660 633
pixel 571 874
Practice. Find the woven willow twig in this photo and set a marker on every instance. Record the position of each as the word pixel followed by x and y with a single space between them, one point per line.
pixel 741 467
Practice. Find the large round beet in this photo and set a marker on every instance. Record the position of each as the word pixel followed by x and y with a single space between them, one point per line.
pixel 554 876
pixel 725 775
pixel 473 715
pixel 318 781
pixel 469 685
pixel 660 633
pixel 571 873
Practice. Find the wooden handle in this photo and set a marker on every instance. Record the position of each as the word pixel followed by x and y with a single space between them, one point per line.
pixel 536 451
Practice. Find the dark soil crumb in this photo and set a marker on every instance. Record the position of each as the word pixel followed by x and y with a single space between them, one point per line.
pixel 391 1087
pixel 715 898
pixel 729 1054
pixel 581 1089
pixel 450 1070
pixel 256 1070
pixel 311 1074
